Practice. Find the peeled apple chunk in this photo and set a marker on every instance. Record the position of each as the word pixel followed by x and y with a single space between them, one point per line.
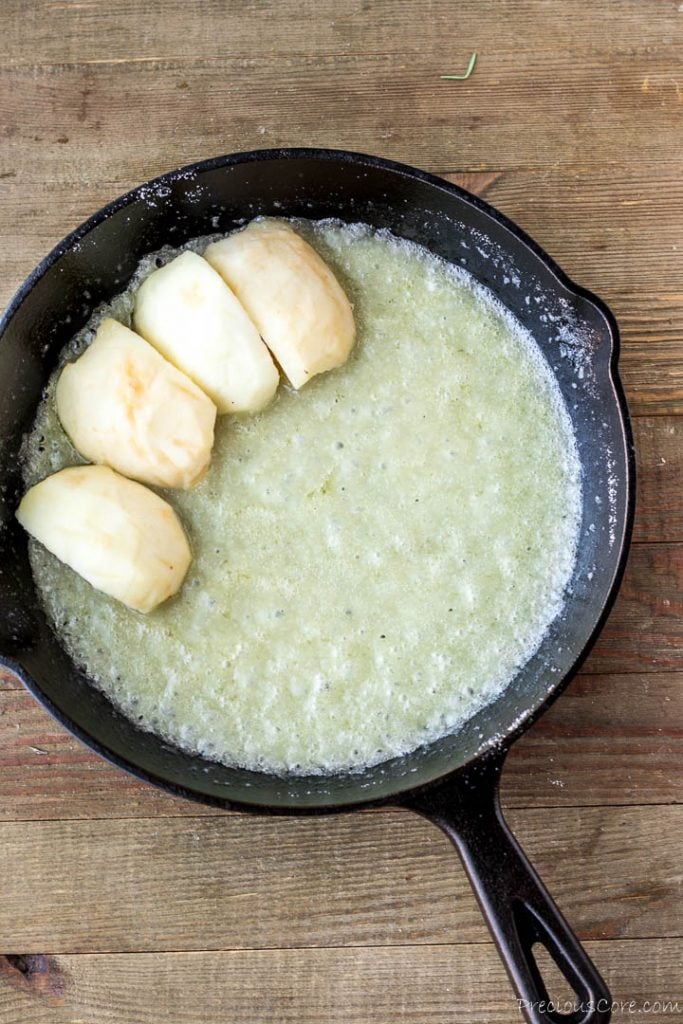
pixel 117 534
pixel 124 405
pixel 290 293
pixel 189 314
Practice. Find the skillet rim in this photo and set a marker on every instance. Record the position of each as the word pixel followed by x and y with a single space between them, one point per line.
pixel 496 746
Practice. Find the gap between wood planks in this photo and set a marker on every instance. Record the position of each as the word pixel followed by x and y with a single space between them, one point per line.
pixel 492 172
pixel 210 811
pixel 323 947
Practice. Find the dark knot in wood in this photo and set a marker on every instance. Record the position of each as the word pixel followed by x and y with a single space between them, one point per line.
pixel 36 975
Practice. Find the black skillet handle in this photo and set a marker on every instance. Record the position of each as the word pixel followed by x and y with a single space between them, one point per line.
pixel 518 909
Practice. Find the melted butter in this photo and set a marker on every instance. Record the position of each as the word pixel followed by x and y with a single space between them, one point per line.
pixel 375 556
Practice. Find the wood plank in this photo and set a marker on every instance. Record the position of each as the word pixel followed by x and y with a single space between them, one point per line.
pixel 35 218
pixel 651 363
pixel 64 30
pixel 8 681
pixel 239 881
pixel 659 491
pixel 644 632
pixel 607 228
pixel 608 740
pixel 410 985
pixel 75 123
pixel 46 773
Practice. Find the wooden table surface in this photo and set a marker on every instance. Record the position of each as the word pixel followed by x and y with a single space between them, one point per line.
pixel 120 905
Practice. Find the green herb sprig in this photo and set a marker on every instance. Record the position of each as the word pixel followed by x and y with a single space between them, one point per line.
pixel 462 78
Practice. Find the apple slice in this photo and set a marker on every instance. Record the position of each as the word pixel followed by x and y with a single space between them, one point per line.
pixel 188 313
pixel 117 534
pixel 124 405
pixel 290 293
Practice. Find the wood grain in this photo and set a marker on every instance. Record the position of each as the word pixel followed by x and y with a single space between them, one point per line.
pixel 651 365
pixel 609 740
pixel 571 125
pixel 46 773
pixel 611 230
pixel 75 123
pixel 239 881
pixel 659 477
pixel 408 985
pixel 8 681
pixel 644 632
pixel 98 31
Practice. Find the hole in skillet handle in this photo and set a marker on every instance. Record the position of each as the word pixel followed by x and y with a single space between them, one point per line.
pixel 517 908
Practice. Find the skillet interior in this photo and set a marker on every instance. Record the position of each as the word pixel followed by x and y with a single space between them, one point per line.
pixel 576 333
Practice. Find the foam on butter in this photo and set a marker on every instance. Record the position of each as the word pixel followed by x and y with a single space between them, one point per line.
pixel 375 556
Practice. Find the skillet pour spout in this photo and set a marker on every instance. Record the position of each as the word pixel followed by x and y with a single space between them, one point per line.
pixel 453 781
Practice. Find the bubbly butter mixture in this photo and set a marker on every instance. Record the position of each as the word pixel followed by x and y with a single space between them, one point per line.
pixel 374 556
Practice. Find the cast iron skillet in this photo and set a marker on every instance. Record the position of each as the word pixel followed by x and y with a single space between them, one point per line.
pixel 454 781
